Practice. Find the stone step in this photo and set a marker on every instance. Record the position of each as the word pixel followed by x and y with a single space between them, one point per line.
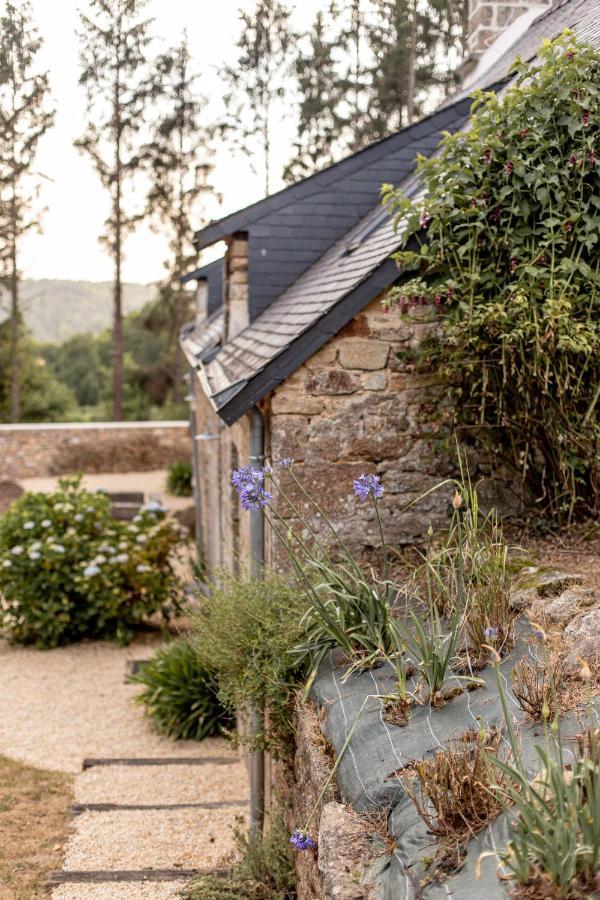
pixel 163 784
pixel 152 839
pixel 119 891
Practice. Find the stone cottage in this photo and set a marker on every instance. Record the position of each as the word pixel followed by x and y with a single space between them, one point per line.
pixel 292 353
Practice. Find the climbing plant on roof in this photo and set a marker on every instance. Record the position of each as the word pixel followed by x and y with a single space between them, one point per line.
pixel 505 241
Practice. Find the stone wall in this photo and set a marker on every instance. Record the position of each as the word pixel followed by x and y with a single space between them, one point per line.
pixel 29 451
pixel 489 18
pixel 358 406
pixel 219 451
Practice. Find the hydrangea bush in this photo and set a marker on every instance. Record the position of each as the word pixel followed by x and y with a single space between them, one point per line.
pixel 69 571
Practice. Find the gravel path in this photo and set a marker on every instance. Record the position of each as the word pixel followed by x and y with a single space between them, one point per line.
pixel 60 706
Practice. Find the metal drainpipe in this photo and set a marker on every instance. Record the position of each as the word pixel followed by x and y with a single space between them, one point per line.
pixel 257 562
pixel 195 471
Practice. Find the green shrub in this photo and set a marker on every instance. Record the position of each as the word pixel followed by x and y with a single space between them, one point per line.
pixel 509 253
pixel 69 571
pixel 180 694
pixel 244 634
pixel 264 871
pixel 179 479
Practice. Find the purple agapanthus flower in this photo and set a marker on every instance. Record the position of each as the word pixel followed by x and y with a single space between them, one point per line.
pixel 254 496
pixel 300 840
pixel 286 463
pixel 368 486
pixel 247 476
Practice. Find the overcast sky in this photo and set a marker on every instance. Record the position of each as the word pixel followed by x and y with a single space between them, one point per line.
pixel 77 205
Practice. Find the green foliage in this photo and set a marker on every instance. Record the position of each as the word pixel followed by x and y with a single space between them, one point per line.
pixel 244 634
pixel 554 828
pixel 264 870
pixel 179 693
pixel 511 257
pixel 179 479
pixel 69 571
pixel 43 398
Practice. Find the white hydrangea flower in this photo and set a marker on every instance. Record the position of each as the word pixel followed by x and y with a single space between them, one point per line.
pixel 122 558
pixel 132 528
pixel 36 545
pixel 58 548
pixel 142 568
pixel 78 517
pixel 34 554
pixel 100 559
pixel 6 564
pixel 46 523
pixel 123 545
pixel 141 538
pixel 29 525
pixel 16 550
pixel 91 570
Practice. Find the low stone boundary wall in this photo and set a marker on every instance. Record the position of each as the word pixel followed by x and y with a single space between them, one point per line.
pixel 29 451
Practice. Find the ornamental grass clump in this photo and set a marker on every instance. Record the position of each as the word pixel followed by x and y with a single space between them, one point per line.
pixel 553 848
pixel 179 693
pixel 455 791
pixel 69 571
pixel 509 256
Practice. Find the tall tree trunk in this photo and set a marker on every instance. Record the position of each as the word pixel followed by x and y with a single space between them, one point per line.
pixel 117 348
pixel 15 368
pixel 412 65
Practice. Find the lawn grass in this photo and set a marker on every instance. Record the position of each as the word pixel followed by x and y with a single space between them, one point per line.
pixel 34 818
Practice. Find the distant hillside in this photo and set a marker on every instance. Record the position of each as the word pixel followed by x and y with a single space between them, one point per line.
pixel 54 310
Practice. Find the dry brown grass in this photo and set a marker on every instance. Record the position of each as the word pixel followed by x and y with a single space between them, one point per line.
pixel 34 818
pixel 456 791
pixel 536 685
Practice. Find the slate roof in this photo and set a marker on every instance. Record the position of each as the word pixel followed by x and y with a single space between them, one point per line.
pixel 199 343
pixel 288 231
pixel 356 267
pixel 212 274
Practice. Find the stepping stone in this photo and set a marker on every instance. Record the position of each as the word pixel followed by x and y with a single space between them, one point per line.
pixel 162 784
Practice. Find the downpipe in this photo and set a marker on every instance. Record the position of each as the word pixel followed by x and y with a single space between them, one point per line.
pixel 256 453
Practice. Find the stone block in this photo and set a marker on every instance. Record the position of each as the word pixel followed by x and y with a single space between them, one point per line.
pixel 238 246
pixel 295 403
pixel 363 353
pixel 238 277
pixel 331 381
pixel 323 357
pixel 374 381
pixel 238 293
pixel 238 264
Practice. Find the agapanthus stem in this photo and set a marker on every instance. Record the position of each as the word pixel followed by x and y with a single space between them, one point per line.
pixel 328 523
pixel 386 569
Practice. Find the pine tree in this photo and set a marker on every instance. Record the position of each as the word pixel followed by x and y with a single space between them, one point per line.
pixel 114 48
pixel 180 158
pixel 321 93
pixel 411 43
pixel 258 79
pixel 25 116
